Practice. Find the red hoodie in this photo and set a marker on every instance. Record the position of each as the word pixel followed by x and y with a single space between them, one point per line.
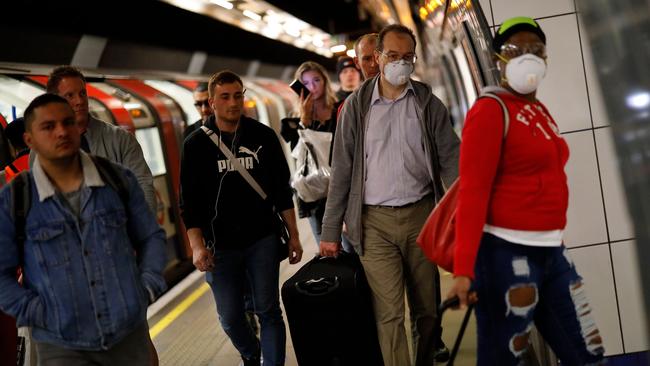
pixel 517 183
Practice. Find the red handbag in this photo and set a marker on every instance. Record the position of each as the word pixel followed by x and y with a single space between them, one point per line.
pixel 438 233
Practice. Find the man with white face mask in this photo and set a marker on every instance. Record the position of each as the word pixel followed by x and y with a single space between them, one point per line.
pixel 393 138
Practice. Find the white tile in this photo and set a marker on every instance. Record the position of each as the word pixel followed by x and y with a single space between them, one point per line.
pixel 596 101
pixel 564 90
pixel 593 264
pixel 504 9
pixel 585 216
pixel 487 11
pixel 619 221
pixel 630 295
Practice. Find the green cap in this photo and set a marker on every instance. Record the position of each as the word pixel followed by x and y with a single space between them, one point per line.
pixel 514 25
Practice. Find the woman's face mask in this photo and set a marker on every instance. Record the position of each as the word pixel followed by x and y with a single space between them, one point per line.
pixel 524 73
pixel 397 73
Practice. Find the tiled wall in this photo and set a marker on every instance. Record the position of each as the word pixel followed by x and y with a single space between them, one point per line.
pixel 599 231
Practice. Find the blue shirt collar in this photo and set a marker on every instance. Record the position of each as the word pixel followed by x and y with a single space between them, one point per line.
pixel 376 97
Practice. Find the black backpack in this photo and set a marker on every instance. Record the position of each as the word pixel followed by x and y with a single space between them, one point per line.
pixel 21 195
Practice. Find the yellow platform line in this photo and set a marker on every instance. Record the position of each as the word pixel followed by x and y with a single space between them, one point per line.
pixel 178 311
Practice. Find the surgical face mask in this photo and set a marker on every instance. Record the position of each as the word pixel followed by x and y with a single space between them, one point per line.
pixel 397 72
pixel 525 73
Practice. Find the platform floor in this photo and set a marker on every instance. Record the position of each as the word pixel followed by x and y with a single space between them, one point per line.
pixel 185 329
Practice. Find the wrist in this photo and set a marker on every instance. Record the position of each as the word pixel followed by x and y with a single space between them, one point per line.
pixel 197 245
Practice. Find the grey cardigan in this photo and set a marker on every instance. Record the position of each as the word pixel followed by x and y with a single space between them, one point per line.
pixel 346 190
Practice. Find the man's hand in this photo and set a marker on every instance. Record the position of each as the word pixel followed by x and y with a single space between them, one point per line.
pixel 295 250
pixel 202 259
pixel 461 288
pixel 330 248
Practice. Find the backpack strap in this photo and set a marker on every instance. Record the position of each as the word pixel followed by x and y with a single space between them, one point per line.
pixel 114 178
pixel 13 168
pixel 504 109
pixel 21 199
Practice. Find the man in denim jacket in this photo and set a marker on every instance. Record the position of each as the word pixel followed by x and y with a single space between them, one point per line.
pixel 85 291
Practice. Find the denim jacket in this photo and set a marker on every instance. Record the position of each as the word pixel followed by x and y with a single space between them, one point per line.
pixel 84 287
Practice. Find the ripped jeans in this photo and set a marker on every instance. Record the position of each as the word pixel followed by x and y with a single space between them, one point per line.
pixel 518 285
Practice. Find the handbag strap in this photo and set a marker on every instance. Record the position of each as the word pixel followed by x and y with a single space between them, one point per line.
pixel 506 115
pixel 506 126
pixel 233 160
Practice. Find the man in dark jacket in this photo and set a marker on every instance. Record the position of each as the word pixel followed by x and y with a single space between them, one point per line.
pixel 202 104
pixel 231 227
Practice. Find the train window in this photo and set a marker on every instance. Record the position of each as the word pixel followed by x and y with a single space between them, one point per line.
pixel 255 106
pixel 450 78
pixel 472 53
pixel 283 91
pixel 149 139
pixel 178 117
pixel 181 95
pixel 139 111
pixel 15 96
pixel 465 74
pixel 99 111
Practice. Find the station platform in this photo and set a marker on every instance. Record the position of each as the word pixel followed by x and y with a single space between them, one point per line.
pixel 185 329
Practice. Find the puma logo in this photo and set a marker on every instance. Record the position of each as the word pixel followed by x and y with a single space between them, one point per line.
pixel 245 150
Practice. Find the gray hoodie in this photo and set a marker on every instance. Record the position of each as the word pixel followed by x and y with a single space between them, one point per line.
pixel 346 190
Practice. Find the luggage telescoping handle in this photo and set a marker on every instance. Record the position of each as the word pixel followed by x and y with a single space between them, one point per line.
pixel 318 287
pixel 448 304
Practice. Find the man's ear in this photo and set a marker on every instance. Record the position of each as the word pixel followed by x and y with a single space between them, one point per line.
pixel 27 137
pixel 376 54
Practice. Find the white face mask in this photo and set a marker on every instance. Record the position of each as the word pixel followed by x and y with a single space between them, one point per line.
pixel 397 73
pixel 525 73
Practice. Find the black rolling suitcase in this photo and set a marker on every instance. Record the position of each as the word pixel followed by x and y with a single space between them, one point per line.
pixel 329 309
pixel 447 304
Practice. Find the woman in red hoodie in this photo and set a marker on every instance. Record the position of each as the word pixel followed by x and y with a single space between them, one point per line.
pixel 511 216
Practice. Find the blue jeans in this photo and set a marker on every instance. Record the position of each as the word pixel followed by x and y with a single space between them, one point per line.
pixel 316 224
pixel 519 285
pixel 259 263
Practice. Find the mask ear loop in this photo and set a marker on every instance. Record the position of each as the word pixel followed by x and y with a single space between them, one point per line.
pixel 502 72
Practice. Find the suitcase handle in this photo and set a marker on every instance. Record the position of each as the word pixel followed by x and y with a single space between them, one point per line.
pixel 448 304
pixel 318 287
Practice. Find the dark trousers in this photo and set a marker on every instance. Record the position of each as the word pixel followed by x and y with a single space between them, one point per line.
pixel 132 350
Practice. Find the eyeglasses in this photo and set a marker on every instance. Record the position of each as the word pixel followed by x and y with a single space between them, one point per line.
pixel 511 51
pixel 394 56
pixel 202 103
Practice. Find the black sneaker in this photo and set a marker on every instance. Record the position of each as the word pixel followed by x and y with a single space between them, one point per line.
pixel 442 352
pixel 253 361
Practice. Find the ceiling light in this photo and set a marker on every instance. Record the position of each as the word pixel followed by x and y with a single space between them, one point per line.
pixel 265 19
pixel 222 3
pixel 351 53
pixel 638 100
pixel 306 37
pixel 252 15
pixel 338 48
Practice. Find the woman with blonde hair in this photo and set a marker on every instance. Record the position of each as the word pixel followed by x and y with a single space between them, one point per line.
pixel 315 112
